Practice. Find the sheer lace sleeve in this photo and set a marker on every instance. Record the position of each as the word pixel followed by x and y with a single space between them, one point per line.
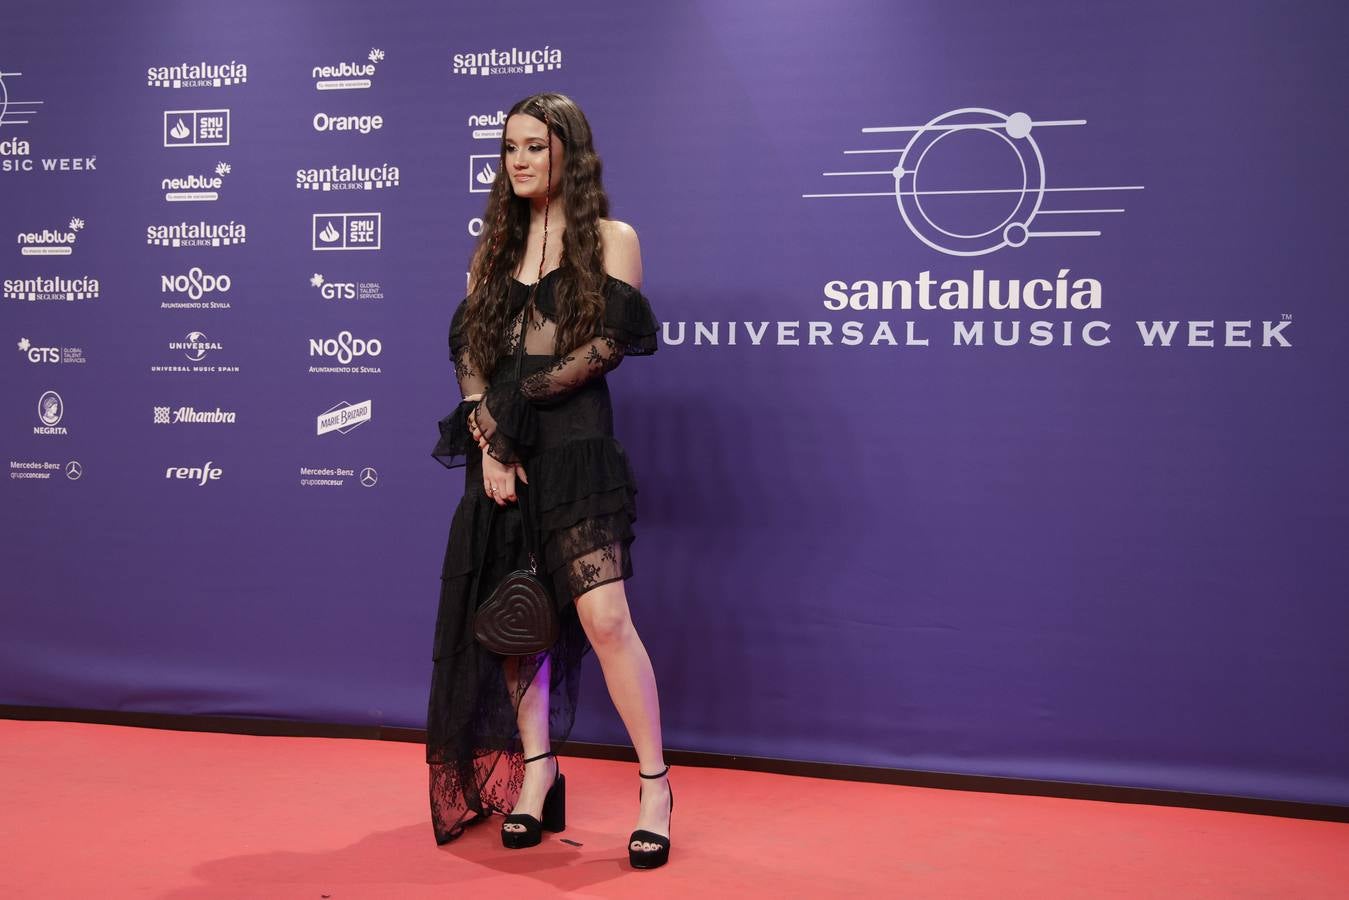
pixel 506 415
pixel 455 438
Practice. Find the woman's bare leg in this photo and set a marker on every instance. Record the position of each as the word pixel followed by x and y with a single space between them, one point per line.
pixel 632 686
pixel 532 719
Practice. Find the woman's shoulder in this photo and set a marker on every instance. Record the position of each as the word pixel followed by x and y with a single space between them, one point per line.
pixel 622 251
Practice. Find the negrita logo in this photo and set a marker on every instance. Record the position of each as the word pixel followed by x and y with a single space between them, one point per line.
pixel 348 76
pixel 51 409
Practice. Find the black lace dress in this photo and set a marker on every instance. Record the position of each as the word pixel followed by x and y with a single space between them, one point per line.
pixel 557 421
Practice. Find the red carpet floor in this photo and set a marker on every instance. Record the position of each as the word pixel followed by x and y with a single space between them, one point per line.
pixel 95 811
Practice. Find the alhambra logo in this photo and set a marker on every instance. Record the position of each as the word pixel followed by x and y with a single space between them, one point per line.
pixel 50 242
pixel 1008 203
pixel 190 415
pixel 512 61
pixel 348 178
pixel 195 187
pixel 348 76
pixel 197 75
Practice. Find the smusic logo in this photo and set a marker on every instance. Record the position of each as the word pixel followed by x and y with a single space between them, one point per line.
pixel 347 231
pixel 196 128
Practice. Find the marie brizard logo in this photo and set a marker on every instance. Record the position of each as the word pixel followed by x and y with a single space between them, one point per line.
pixel 1002 206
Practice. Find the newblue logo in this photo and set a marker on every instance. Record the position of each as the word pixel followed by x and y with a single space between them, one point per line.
pixel 348 76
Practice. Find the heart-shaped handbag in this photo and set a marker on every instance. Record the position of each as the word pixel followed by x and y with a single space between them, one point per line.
pixel 519 618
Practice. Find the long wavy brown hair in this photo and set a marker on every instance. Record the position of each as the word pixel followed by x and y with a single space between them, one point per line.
pixel 578 287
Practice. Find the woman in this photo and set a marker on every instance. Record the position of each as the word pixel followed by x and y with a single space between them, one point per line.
pixel 492 720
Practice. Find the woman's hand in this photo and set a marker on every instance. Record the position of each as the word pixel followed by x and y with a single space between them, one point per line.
pixel 498 479
pixel 476 431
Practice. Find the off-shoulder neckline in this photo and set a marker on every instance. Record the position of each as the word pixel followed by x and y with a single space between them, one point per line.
pixel 551 271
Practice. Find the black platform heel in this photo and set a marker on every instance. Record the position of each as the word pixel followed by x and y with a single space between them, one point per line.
pixel 650 859
pixel 554 814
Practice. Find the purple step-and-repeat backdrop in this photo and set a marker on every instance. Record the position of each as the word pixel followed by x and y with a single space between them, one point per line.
pixel 998 426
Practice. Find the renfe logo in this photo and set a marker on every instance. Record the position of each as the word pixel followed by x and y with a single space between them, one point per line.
pixel 200 474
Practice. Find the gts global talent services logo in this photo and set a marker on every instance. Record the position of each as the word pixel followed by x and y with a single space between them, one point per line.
pixel 348 178
pixel 50 242
pixel 197 75
pixel 348 76
pixel 51 355
pixel 346 290
pixel 512 61
pixel 195 187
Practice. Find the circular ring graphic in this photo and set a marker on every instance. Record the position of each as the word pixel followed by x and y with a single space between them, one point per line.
pixel 1014 229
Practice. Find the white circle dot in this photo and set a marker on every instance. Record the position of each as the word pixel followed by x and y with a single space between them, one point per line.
pixel 1018 125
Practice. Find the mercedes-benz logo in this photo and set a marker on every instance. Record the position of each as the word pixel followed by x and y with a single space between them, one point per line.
pixel 369 477
pixel 74 470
